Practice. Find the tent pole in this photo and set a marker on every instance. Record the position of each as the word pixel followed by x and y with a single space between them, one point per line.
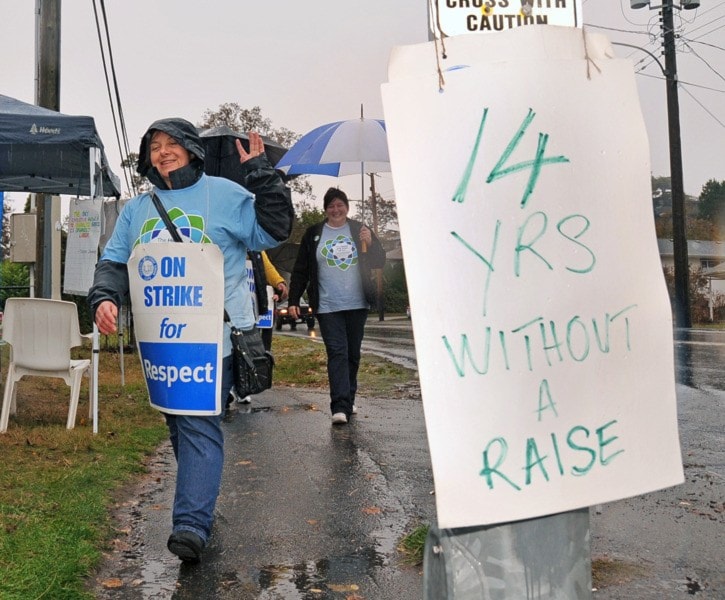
pixel 95 355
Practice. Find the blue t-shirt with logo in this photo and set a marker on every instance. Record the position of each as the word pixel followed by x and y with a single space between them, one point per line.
pixel 213 210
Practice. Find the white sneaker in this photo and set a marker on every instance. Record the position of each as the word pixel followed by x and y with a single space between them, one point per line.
pixel 354 409
pixel 339 418
pixel 245 400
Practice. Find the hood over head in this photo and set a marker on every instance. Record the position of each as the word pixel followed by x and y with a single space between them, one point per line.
pixel 186 134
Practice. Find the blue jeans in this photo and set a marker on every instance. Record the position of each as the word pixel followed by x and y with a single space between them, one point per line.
pixel 198 444
pixel 342 332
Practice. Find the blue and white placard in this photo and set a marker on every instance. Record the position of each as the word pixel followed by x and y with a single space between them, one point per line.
pixel 266 319
pixel 177 296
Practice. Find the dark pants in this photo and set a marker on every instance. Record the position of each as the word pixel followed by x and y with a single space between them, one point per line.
pixel 343 333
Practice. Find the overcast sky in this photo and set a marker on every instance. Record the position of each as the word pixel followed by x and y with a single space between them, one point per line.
pixel 305 63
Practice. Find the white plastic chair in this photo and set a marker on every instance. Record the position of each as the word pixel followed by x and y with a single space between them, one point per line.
pixel 42 333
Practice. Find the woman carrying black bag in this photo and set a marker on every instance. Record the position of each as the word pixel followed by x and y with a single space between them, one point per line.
pixel 264 274
pixel 204 209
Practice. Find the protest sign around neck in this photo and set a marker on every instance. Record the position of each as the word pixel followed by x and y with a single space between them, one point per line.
pixel 177 298
pixel 522 182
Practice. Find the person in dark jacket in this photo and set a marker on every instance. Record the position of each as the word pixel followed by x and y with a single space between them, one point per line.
pixel 236 220
pixel 333 265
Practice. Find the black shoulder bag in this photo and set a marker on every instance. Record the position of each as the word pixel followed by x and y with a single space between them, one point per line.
pixel 253 365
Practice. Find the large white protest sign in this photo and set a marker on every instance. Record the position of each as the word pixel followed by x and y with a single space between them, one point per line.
pixel 81 254
pixel 523 194
pixel 177 298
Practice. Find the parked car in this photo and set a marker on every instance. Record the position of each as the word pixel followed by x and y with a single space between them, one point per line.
pixel 282 316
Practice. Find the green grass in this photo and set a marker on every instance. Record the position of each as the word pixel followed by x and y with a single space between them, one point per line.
pixel 58 486
pixel 715 326
pixel 412 545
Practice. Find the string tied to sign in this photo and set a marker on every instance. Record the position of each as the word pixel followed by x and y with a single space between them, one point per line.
pixel 442 54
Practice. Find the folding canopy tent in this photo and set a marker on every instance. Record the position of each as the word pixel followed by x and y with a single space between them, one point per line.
pixel 44 151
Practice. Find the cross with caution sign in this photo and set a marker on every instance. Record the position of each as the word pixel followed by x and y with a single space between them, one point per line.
pixel 458 17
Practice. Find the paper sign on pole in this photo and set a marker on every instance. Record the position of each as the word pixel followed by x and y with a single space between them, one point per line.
pixel 523 194
pixel 81 254
pixel 177 298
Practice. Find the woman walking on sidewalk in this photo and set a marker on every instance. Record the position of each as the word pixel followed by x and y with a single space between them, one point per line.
pixel 334 265
pixel 234 219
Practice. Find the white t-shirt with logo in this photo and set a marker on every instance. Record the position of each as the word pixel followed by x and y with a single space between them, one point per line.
pixel 338 267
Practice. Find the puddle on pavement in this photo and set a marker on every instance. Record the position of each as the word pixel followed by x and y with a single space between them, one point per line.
pixel 400 334
pixel 246 409
pixel 319 580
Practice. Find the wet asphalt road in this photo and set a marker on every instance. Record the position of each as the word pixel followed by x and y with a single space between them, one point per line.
pixel 308 511
pixel 671 542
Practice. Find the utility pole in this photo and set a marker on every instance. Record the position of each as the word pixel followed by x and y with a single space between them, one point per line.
pixel 47 95
pixel 679 234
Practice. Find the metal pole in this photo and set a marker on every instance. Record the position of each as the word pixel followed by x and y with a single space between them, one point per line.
pixel 378 272
pixel 494 563
pixel 543 559
pixel 47 95
pixel 679 234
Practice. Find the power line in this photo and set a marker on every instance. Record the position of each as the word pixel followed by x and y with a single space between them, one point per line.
pixel 707 24
pixel 618 30
pixel 702 105
pixel 122 138
pixel 108 88
pixel 124 132
pixel 704 61
pixel 709 32
pixel 704 44
pixel 688 83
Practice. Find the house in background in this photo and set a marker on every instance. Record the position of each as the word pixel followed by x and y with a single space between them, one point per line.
pixel 703 255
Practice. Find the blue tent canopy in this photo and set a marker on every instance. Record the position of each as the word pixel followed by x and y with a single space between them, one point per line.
pixel 44 151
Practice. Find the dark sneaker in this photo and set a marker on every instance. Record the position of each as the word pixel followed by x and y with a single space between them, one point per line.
pixel 186 545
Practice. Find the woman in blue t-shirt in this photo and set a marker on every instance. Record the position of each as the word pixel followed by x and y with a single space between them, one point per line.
pixel 236 219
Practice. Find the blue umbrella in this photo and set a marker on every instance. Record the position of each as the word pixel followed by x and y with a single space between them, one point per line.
pixel 338 149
